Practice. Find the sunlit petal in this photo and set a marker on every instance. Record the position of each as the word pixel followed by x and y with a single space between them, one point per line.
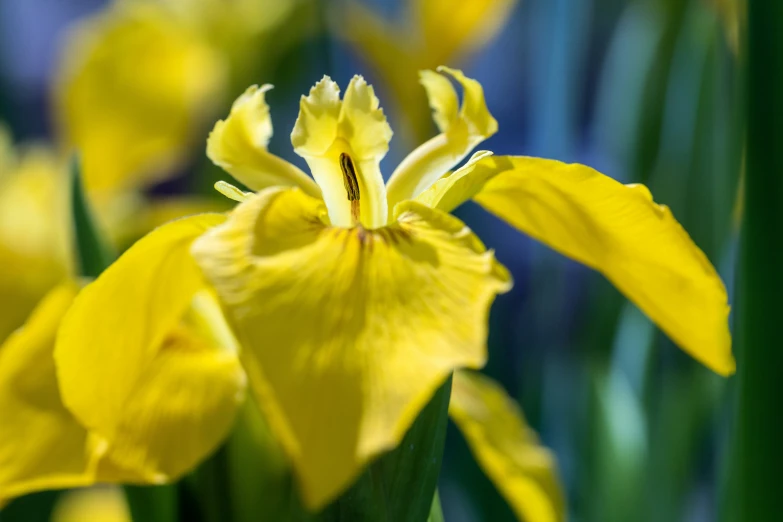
pixel 618 230
pixel 140 366
pixel 462 129
pixel 238 144
pixel 346 333
pixel 329 129
pixel 506 448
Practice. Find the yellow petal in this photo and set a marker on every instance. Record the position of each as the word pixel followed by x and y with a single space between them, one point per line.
pixel 193 387
pixel 616 229
pixel 461 131
pixel 346 333
pixel 137 365
pixel 41 444
pixel 329 129
pixel 238 144
pixel 506 448
pixel 132 93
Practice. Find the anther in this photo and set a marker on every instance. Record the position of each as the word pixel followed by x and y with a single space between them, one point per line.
pixel 351 184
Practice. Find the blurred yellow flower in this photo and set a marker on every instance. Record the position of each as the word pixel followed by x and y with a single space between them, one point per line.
pixel 98 504
pixel 34 231
pixel 132 88
pixel 36 250
pixel 353 300
pixel 138 82
pixel 421 40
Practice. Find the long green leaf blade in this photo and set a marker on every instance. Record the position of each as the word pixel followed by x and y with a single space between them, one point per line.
pixel 93 254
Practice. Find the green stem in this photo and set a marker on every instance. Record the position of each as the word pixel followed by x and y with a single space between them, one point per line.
pixel 759 456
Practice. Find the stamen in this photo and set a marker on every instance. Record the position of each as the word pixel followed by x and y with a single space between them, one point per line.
pixel 231 192
pixel 351 184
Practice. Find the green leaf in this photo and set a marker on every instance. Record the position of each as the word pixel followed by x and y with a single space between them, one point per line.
pixel 93 254
pixel 758 455
pixel 153 504
pixel 400 485
pixel 436 513
pixel 36 507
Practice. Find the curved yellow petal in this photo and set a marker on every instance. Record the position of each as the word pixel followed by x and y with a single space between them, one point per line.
pixel 329 130
pixel 614 228
pixel 461 131
pixel 41 444
pixel 506 448
pixel 138 364
pixel 193 386
pixel 238 144
pixel 346 333
pixel 132 92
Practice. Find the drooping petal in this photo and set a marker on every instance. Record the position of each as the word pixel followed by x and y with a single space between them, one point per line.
pixel 346 333
pixel 614 228
pixel 461 131
pixel 238 144
pixel 138 364
pixel 133 91
pixel 42 446
pixel 327 131
pixel 506 448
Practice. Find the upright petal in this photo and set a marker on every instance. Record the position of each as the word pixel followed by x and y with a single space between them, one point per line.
pixel 616 229
pixel 346 333
pixel 145 364
pixel 461 131
pixel 343 142
pixel 42 446
pixel 506 448
pixel 238 144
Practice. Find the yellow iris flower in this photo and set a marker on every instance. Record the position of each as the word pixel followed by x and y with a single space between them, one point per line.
pixel 353 300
